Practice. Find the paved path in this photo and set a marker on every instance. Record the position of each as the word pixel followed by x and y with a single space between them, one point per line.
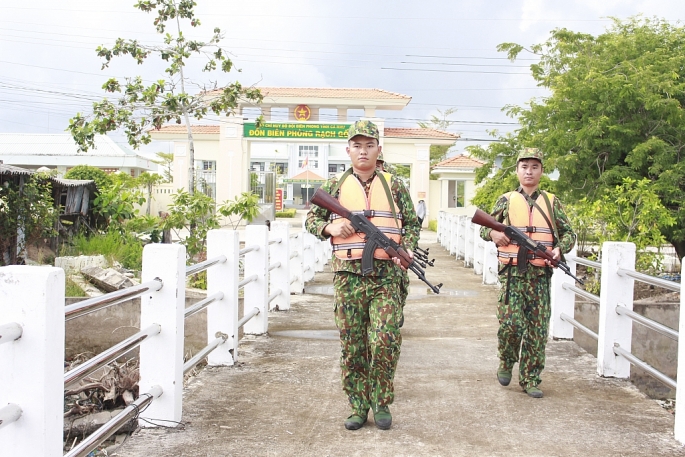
pixel 284 397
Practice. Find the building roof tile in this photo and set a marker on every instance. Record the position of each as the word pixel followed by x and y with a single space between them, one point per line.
pixel 396 132
pixel 196 129
pixel 459 161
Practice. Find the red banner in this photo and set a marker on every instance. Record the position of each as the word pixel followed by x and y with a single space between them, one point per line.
pixel 279 200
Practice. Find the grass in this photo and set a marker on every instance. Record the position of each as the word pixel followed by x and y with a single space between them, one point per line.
pixel 290 212
pixel 73 289
pixel 127 250
pixel 433 225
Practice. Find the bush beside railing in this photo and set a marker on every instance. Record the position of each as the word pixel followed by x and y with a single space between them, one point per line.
pixel 462 238
pixel 276 264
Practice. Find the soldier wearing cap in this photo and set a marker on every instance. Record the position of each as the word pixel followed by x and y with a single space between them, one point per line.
pixel 367 311
pixel 524 302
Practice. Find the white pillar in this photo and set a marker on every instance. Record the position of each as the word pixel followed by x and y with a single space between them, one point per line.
pixel 461 238
pixel 453 233
pixel 256 292
pixel 309 256
pixel 562 301
pixel 616 290
pixel 32 367
pixel 468 242
pixel 679 429
pixel 296 263
pixel 280 277
pixel 319 255
pixel 161 356
pixel 490 264
pixel 478 251
pixel 222 315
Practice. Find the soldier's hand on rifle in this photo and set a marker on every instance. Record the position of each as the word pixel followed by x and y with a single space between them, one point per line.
pixel 556 253
pixel 342 230
pixel 398 261
pixel 499 238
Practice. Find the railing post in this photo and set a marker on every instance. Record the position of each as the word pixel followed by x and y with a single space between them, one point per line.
pixel 478 250
pixel 679 428
pixel 309 256
pixel 319 255
pixel 280 277
pixel 490 264
pixel 32 367
pixel 256 293
pixel 296 263
pixel 222 315
pixel 468 242
pixel 562 301
pixel 454 234
pixel 614 328
pixel 161 357
pixel 461 237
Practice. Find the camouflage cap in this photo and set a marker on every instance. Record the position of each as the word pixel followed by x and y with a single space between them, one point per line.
pixel 380 157
pixel 364 128
pixel 530 153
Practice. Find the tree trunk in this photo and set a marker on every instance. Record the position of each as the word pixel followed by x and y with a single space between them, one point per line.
pixel 679 246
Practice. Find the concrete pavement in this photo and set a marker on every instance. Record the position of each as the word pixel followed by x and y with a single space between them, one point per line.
pixel 284 397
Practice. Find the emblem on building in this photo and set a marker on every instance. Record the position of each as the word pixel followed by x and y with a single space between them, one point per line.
pixel 302 113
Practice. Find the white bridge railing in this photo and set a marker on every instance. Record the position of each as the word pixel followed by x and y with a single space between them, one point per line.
pixel 616 316
pixel 276 263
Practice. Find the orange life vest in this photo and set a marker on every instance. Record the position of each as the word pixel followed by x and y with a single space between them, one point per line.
pixel 377 208
pixel 530 221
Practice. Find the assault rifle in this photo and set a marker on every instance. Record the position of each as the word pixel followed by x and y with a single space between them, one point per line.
pixel 520 238
pixel 374 238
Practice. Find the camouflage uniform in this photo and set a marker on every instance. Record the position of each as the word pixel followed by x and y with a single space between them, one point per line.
pixel 366 311
pixel 524 299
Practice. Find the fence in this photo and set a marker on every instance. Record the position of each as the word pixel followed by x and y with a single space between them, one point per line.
pixel 616 316
pixel 276 263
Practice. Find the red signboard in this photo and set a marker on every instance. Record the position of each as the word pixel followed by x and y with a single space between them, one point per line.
pixel 279 200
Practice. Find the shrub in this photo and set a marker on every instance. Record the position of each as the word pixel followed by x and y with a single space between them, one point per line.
pixel 433 225
pixel 72 289
pixel 125 249
pixel 290 212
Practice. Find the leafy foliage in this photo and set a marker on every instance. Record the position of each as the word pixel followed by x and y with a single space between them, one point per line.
pixel 195 215
pixel 115 246
pixel 142 106
pixel 166 160
pixel 29 209
pixel 116 204
pixel 615 111
pixel 85 172
pixel 246 207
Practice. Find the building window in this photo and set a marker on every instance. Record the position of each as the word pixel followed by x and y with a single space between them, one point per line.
pixel 281 168
pixel 455 194
pixel 208 165
pixel 308 156
pixel 257 166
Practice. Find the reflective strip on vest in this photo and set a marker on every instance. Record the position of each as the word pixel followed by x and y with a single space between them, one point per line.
pixel 531 222
pixel 353 197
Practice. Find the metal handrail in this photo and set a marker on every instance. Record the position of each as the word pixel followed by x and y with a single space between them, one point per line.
pixel 581 292
pixel 307 268
pixel 190 364
pixel 295 278
pixel 647 322
pixel 198 267
pixel 274 295
pixel 273 266
pixel 578 325
pixel 202 304
pixel 109 355
pixel 254 247
pixel 309 246
pixel 294 254
pixel 666 284
pixel 584 261
pixel 276 241
pixel 101 434
pixel 113 298
pixel 10 332
pixel 9 413
pixel 247 280
pixel 294 235
pixel 618 350
pixel 252 313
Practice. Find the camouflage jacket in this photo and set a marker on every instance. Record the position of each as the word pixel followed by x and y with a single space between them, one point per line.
pixel 567 237
pixel 318 218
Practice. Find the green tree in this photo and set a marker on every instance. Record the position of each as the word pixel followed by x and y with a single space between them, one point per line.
pixel 615 111
pixel 166 160
pixel 116 204
pixel 195 214
pixel 101 178
pixel 246 207
pixel 147 181
pixel 141 106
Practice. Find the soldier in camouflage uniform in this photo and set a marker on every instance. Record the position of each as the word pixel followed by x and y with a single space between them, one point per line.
pixel 524 301
pixel 366 307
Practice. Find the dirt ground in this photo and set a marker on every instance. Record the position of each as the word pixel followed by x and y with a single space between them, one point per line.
pixel 284 397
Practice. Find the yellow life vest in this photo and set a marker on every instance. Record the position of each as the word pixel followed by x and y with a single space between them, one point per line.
pixel 377 209
pixel 530 221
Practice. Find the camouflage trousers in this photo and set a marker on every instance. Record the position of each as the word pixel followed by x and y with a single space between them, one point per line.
pixel 523 324
pixel 367 314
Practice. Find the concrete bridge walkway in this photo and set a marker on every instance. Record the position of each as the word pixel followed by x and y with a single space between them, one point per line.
pixel 284 397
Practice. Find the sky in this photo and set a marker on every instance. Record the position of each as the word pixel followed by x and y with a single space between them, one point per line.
pixel 442 53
